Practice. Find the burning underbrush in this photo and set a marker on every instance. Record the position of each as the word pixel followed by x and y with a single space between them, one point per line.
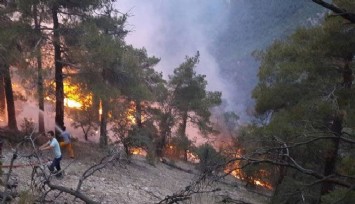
pixel 256 177
pixel 207 159
pixel 134 182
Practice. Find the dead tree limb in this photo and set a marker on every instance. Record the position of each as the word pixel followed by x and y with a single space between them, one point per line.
pixel 62 189
pixel 164 161
pixel 339 11
pixel 72 192
pixel 196 187
pixel 90 171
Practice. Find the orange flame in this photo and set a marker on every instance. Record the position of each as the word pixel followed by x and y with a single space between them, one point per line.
pixel 234 170
pixel 191 157
pixel 74 97
pixel 137 151
pixel 130 115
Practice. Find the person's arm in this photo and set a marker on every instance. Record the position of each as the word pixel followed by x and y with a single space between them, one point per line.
pixel 45 146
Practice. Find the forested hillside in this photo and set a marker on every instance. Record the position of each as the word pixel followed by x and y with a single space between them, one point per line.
pixel 69 63
pixel 305 106
pixel 254 25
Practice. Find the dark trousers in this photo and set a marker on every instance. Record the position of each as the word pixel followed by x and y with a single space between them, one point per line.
pixel 55 163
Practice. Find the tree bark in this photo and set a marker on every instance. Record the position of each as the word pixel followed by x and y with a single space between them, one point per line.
pixel 10 102
pixel 184 123
pixel 336 128
pixel 2 99
pixel 332 155
pixel 165 133
pixel 59 87
pixel 138 113
pixel 103 124
pixel 40 89
pixel 77 194
pixel 183 131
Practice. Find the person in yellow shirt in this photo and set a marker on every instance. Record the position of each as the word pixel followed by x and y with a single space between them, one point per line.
pixel 67 142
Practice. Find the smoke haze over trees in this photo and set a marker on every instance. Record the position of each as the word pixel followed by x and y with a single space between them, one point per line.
pixel 140 75
pixel 225 32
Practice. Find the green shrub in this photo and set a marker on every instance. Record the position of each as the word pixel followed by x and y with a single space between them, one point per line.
pixel 141 138
pixel 340 196
pixel 210 159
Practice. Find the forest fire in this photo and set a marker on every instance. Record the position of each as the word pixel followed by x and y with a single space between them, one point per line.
pixel 235 170
pixel 263 184
pixel 239 174
pixel 130 114
pixel 74 98
pixel 172 151
pixel 138 151
pixel 72 103
pixel 191 157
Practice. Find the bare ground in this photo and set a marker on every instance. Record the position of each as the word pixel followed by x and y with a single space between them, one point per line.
pixel 131 182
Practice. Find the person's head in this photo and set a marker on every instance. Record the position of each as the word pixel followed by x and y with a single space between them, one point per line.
pixel 50 134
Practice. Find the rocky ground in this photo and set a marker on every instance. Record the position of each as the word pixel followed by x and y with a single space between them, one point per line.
pixel 131 182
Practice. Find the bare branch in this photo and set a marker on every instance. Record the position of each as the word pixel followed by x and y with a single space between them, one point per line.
pixel 75 193
pixel 90 171
pixel 296 166
pixel 341 12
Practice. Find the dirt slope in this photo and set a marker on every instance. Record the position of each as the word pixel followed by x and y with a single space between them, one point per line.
pixel 136 182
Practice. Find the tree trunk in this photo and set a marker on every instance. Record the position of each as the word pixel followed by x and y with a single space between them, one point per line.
pixel 332 154
pixel 184 124
pixel 96 106
pixel 41 127
pixel 59 87
pixel 164 134
pixel 10 102
pixel 138 114
pixel 2 99
pixel 183 131
pixel 40 89
pixel 103 125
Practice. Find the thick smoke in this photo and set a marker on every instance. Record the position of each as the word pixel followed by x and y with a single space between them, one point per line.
pixel 172 30
pixel 225 32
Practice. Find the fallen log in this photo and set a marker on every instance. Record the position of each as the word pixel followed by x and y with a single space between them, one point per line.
pixel 164 161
